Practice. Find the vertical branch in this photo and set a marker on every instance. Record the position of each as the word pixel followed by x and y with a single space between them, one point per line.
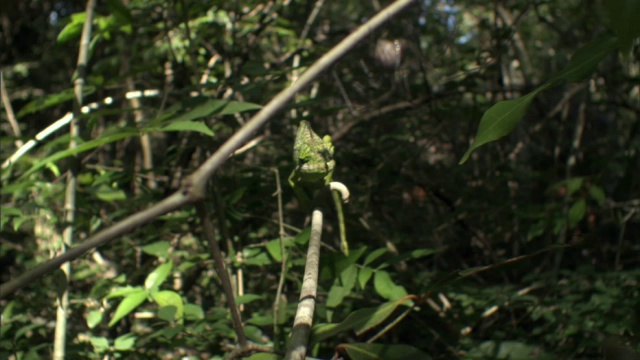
pixel 283 264
pixel 70 195
pixel 221 269
pixel 297 348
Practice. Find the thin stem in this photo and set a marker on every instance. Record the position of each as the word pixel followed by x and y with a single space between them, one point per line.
pixel 222 272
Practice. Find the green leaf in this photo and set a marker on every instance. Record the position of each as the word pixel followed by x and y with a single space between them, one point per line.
pixel 499 120
pixel 102 140
pixel 574 184
pixel 51 100
pixel 100 344
pixel 124 342
pixel 360 321
pixel 597 194
pixel 158 249
pixel 187 126
pixel 359 351
pixel 193 312
pixel 73 29
pixel 158 276
pixel 386 288
pixel 374 255
pixel 577 212
pixel 124 291
pixel 624 15
pixel 235 107
pixel 120 11
pixel 586 59
pixel 127 305
pixel 364 275
pixel 245 299
pixel 108 194
pixel 170 299
pixel 94 318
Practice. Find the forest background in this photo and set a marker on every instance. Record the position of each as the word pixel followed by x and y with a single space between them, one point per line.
pixel 526 249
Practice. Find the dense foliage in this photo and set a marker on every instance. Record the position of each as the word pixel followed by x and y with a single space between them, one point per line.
pixel 528 249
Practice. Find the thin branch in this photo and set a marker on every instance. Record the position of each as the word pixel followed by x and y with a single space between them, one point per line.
pixel 60 336
pixel 216 254
pixel 297 348
pixel 283 264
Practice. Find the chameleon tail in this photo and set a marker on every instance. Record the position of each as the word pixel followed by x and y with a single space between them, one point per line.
pixel 337 199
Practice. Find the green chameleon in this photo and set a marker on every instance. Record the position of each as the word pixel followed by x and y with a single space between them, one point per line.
pixel 314 169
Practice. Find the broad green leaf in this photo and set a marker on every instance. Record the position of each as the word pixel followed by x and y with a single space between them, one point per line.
pixel 167 313
pixel 124 342
pixel 273 247
pixel 158 249
pixel 127 305
pixel 624 15
pixel 386 288
pixel 168 298
pixel 51 100
pixel 577 212
pixel 360 351
pixel 499 120
pixel 158 276
pixel 102 140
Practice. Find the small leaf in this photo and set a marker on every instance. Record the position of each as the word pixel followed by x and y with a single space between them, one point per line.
pixel 193 312
pixel 158 249
pixel 577 212
pixel 124 342
pixel 127 305
pixel 108 194
pixel 158 276
pixel 73 29
pixel 597 194
pixel 364 275
pixel 386 288
pixel 94 318
pixel 499 120
pixel 100 344
pixel 374 255
pixel 168 298
pixel 245 299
